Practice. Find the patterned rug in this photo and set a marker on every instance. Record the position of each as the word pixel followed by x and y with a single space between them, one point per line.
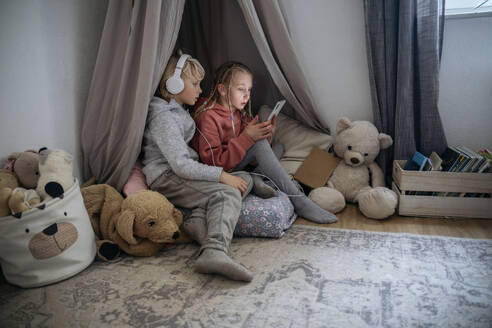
pixel 311 277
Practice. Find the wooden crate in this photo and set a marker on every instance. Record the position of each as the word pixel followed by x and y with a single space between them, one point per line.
pixel 415 205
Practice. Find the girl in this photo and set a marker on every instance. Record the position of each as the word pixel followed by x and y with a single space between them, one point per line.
pixel 172 168
pixel 231 139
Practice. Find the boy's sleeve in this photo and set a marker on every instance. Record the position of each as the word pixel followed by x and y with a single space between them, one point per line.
pixel 171 143
pixel 225 154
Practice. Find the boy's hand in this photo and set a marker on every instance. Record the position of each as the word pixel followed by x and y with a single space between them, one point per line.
pixel 258 131
pixel 234 181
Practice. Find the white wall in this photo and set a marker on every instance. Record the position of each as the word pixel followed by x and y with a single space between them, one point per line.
pixel 330 37
pixel 47 54
pixel 465 101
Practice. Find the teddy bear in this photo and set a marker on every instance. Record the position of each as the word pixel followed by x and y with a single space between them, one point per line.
pixel 13 199
pixel 357 177
pixel 55 173
pixel 140 224
pixel 8 182
pixel 25 166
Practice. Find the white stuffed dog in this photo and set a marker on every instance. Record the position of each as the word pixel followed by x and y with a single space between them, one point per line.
pixel 357 178
pixel 55 173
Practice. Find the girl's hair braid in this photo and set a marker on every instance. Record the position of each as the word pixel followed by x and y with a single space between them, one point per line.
pixel 224 75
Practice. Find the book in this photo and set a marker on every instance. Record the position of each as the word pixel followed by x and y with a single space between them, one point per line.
pixel 419 162
pixel 449 156
pixel 435 162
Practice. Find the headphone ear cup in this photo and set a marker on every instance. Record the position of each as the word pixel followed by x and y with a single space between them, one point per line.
pixel 174 85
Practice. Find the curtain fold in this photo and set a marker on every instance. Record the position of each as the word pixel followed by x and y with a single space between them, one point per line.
pixel 137 40
pixel 404 46
pixel 269 30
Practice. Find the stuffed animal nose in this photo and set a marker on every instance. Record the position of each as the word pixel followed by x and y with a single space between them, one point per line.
pixel 354 160
pixel 176 235
pixel 51 230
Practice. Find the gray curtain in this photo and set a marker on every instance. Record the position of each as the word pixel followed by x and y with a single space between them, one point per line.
pixel 137 40
pixel 269 30
pixel 215 32
pixel 404 45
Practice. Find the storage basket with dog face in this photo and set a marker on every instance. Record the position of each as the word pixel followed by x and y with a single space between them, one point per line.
pixel 49 243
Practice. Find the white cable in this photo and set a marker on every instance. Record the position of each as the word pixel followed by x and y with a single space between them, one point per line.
pixel 276 187
pixel 209 146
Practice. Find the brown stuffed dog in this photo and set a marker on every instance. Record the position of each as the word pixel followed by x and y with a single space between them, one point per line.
pixel 140 224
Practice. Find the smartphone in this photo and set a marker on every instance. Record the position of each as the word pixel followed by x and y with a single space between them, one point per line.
pixel 276 109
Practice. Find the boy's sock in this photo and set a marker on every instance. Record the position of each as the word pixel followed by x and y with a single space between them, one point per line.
pixel 307 209
pixel 261 189
pixel 196 229
pixel 216 261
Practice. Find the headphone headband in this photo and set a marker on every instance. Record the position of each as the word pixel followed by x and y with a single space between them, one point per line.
pixel 180 64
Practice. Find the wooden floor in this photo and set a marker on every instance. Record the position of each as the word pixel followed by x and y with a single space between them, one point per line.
pixel 352 218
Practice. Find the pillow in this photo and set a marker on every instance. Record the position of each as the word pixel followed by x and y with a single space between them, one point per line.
pixel 265 217
pixel 136 181
pixel 297 139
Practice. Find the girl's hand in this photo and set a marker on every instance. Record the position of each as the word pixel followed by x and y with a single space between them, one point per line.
pixel 258 131
pixel 234 181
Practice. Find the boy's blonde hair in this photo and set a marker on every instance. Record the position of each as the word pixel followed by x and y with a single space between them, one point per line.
pixel 224 75
pixel 191 68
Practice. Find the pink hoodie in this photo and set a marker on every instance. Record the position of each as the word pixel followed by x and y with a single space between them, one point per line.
pixel 215 124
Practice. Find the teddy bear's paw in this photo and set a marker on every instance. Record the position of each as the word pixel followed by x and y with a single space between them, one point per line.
pixel 378 203
pixel 328 199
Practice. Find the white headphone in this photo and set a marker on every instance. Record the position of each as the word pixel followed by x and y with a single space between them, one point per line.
pixel 175 84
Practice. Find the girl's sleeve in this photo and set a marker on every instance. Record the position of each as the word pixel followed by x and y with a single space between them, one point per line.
pixel 171 143
pixel 226 154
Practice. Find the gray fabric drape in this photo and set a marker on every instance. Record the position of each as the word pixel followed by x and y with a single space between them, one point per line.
pixel 137 40
pixel 215 32
pixel 269 30
pixel 404 44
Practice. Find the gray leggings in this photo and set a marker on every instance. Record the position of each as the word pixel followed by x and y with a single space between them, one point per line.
pixel 268 164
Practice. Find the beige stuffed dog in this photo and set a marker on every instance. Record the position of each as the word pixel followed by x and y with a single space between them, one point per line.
pixel 140 224
pixel 357 178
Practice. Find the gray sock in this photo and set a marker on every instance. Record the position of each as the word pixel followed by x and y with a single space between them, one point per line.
pixel 307 209
pixel 196 229
pixel 215 261
pixel 261 189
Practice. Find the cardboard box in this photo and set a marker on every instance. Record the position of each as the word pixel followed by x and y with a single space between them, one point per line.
pixel 317 168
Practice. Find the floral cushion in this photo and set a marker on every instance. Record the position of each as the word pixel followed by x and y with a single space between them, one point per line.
pixel 265 217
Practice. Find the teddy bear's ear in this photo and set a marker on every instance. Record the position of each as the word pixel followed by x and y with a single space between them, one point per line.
pixel 343 124
pixel 384 141
pixel 13 156
pixel 124 226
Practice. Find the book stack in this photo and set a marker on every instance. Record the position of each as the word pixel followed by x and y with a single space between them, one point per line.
pixel 453 159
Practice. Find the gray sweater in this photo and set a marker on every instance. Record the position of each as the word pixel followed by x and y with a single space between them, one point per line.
pixel 168 130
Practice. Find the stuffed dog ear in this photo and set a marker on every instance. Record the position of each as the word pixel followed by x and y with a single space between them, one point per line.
pixel 124 226
pixel 178 217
